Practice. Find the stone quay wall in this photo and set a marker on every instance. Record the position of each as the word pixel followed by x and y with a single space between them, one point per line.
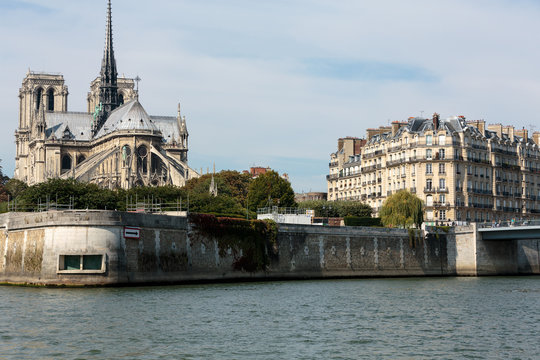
pixel 118 248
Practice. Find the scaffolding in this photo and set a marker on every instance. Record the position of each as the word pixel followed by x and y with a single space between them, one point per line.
pixel 153 205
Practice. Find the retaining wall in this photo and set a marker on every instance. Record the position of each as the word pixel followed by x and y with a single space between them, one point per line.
pixel 91 248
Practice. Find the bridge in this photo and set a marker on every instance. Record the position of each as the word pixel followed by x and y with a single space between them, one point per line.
pixel 510 230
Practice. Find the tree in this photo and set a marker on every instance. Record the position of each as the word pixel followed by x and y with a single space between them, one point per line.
pixel 4 194
pixel 270 186
pixel 232 193
pixel 402 209
pixel 337 208
pixel 63 192
pixel 15 187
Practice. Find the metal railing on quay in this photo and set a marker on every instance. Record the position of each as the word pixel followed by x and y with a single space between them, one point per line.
pixel 509 223
pixel 282 210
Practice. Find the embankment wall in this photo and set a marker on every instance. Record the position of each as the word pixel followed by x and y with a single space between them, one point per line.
pixel 91 248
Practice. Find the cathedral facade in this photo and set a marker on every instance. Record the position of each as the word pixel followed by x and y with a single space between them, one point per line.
pixel 114 144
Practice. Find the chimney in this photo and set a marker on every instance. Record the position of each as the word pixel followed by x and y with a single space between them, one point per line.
pixel 395 127
pixel 509 130
pixel 370 133
pixel 436 118
pixel 498 128
pixel 524 133
pixel 381 130
pixel 536 137
pixel 479 124
pixel 340 144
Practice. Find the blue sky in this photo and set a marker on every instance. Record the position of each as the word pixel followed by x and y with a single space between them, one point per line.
pixel 275 83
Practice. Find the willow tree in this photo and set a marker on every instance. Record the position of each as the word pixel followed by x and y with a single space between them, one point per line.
pixel 402 209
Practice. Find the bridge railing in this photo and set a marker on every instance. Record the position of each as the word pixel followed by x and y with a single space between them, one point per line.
pixel 509 223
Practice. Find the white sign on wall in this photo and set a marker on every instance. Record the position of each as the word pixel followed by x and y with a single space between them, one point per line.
pixel 131 232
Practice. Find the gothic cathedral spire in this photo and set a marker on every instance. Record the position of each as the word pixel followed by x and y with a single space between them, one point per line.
pixel 108 89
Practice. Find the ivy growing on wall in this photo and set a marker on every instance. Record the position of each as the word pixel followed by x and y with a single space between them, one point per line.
pixel 250 241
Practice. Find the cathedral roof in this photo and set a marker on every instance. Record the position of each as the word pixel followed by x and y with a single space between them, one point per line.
pixel 168 126
pixel 77 123
pixel 130 116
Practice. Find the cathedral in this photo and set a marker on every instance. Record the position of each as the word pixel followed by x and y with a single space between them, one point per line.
pixel 115 144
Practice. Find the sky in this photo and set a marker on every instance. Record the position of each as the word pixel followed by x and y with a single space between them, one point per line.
pixel 276 83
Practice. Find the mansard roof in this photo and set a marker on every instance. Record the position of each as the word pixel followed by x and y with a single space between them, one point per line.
pixel 418 125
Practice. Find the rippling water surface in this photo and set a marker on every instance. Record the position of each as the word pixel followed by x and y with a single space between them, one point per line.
pixel 459 318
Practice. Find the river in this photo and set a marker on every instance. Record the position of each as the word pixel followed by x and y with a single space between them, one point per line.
pixel 408 318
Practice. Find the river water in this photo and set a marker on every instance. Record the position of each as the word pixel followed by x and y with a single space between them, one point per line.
pixel 413 318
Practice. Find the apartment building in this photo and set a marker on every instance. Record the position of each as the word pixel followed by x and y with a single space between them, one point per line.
pixel 344 176
pixel 462 170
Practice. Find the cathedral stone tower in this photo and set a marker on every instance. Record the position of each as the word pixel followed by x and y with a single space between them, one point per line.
pixel 40 92
pixel 116 143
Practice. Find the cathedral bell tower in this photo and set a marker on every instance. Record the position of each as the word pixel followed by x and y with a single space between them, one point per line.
pixel 108 85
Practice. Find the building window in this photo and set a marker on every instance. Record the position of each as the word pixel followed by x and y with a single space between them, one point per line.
pixel 442 184
pixel 429 140
pixel 142 164
pixel 442 198
pixel 429 169
pixel 66 163
pixel 91 263
pixel 429 155
pixel 50 100
pixel 442 169
pixel 442 154
pixel 126 156
pixel 429 184
pixel 442 139
pixel 39 95
pixel 442 215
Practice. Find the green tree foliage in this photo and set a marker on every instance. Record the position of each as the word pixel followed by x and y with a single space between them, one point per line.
pixel 337 208
pixel 270 186
pixel 402 209
pixel 232 189
pixel 15 187
pixel 232 196
pixel 59 191
pixel 220 205
pixel 4 194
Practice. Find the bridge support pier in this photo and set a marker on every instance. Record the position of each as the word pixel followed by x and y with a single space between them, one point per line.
pixel 500 251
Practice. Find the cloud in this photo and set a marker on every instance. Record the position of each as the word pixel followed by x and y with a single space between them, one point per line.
pixel 13 5
pixel 275 83
pixel 366 70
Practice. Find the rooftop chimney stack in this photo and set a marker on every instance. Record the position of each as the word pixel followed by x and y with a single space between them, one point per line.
pixel 436 118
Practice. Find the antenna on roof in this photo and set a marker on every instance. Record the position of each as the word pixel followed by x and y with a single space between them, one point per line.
pixel 421 113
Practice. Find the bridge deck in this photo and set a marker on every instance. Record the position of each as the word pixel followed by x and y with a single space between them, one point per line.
pixel 520 232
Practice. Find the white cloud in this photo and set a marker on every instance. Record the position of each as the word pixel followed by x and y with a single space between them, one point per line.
pixel 239 68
